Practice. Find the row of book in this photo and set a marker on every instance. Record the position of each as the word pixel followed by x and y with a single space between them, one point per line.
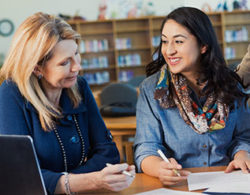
pixel 156 41
pixel 230 53
pixel 103 77
pixel 97 62
pixel 123 43
pixel 129 60
pixel 93 45
pixel 236 35
pixel 125 76
pixel 97 77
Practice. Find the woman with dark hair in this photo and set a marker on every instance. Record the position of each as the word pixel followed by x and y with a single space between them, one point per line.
pixel 191 106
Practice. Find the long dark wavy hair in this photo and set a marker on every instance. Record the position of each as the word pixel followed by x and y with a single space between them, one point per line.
pixel 221 80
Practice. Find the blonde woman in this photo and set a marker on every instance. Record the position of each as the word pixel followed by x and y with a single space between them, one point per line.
pixel 42 96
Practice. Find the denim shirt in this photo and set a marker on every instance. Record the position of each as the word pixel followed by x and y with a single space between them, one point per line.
pixel 164 129
pixel 18 116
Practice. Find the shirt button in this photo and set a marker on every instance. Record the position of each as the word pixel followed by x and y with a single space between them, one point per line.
pixel 74 139
pixel 204 146
pixel 204 163
pixel 69 117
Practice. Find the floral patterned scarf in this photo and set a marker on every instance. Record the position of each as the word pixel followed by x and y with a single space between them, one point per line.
pixel 210 117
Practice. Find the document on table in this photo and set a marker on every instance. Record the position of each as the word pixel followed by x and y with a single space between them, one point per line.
pixel 164 191
pixel 220 181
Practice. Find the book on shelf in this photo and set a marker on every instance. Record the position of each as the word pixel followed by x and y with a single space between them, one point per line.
pixel 236 35
pixel 97 62
pixel 123 43
pixel 93 45
pixel 125 76
pixel 129 60
pixel 97 77
pixel 156 41
pixel 230 53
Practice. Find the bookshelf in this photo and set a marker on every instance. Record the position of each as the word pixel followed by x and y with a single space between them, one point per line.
pixel 119 49
pixel 236 35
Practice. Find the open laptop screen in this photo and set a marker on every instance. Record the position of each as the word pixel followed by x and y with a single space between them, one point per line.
pixel 19 169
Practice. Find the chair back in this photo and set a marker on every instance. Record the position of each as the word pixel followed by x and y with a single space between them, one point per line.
pixel 136 81
pixel 118 99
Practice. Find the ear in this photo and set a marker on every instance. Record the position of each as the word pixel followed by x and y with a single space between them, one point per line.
pixel 203 49
pixel 37 70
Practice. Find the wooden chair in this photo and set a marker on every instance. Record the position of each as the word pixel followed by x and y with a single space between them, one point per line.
pixel 128 151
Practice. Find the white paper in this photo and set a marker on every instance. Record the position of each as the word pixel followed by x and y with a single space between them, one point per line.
pixel 237 187
pixel 164 191
pixel 219 180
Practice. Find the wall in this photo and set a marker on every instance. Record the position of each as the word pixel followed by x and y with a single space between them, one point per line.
pixel 18 10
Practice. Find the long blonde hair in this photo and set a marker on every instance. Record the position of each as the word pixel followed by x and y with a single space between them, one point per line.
pixel 32 44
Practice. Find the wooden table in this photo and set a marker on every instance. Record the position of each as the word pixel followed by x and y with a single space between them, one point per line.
pixel 121 127
pixel 144 183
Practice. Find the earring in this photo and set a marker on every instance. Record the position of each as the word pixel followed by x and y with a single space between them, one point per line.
pixel 40 76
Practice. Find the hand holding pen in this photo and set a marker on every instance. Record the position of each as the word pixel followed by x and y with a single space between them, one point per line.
pixel 166 160
pixel 170 172
pixel 115 177
pixel 123 172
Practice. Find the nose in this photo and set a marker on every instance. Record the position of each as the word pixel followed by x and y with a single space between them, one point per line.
pixel 171 49
pixel 76 66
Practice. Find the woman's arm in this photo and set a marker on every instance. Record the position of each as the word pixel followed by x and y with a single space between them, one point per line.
pixel 241 161
pixel 103 150
pixel 149 138
pixel 12 117
pixel 240 146
pixel 243 69
pixel 15 120
pixel 163 170
pixel 110 178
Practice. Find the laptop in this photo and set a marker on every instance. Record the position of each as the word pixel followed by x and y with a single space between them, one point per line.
pixel 19 169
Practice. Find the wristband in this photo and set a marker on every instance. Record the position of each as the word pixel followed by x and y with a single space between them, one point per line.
pixel 66 184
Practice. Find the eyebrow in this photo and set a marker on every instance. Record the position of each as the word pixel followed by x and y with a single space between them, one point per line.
pixel 66 58
pixel 176 36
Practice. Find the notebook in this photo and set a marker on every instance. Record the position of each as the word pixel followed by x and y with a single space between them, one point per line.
pixel 19 169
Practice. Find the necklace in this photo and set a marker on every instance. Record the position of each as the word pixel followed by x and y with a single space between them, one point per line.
pixel 62 146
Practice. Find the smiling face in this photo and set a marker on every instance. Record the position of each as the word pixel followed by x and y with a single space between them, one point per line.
pixel 62 69
pixel 180 49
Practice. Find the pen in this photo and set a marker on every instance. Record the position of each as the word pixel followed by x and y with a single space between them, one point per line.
pixel 166 160
pixel 123 172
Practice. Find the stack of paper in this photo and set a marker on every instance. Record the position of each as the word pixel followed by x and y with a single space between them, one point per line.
pixel 164 191
pixel 219 181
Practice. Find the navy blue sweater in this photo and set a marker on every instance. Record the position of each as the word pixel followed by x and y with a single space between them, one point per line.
pixel 18 116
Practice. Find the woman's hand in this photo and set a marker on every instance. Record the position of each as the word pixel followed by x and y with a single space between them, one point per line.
pixel 112 178
pixel 241 161
pixel 166 174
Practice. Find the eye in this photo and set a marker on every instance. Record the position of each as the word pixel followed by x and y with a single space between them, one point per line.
pixel 66 62
pixel 178 41
pixel 164 41
pixel 77 52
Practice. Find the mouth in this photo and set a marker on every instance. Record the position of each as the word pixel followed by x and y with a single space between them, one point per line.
pixel 174 61
pixel 72 77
